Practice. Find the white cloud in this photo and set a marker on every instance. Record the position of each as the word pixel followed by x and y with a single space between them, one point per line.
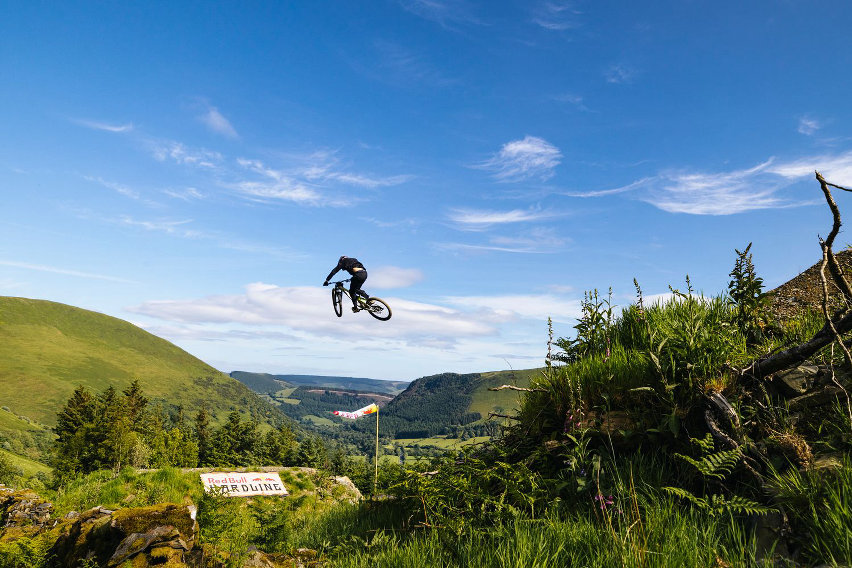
pixel 835 168
pixel 312 180
pixel 216 122
pixel 808 126
pixel 715 194
pixel 477 220
pixel 307 310
pixel 181 154
pixel 66 272
pixel 187 194
pixel 388 277
pixel 519 160
pixel 619 73
pixel 602 192
pixel 168 227
pixel 106 127
pixel 556 15
pixel 277 185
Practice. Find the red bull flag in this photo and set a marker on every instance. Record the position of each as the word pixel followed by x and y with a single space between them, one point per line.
pixel 369 409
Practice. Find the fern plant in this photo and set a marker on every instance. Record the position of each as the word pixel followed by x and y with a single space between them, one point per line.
pixel 716 466
pixel 746 296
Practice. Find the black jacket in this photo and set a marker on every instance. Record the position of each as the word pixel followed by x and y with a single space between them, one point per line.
pixel 348 264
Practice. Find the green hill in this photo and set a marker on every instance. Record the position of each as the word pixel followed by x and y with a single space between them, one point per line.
pixel 442 404
pixel 267 383
pixel 47 349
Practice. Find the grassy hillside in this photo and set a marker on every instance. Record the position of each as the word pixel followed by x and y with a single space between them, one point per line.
pixel 485 401
pixel 47 349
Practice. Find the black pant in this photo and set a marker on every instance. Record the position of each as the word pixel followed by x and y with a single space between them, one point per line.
pixel 355 287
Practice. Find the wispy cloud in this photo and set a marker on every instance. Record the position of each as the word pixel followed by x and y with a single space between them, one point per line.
pixel 620 73
pixel 314 179
pixel 187 194
pixel 177 228
pixel 836 168
pixel 447 13
pixel 477 220
pixel 64 271
pixel 644 182
pixel 737 191
pixel 572 99
pixel 216 122
pixel 325 166
pixel 400 66
pixel 104 126
pixel 278 186
pixel 180 153
pixel 520 160
pixel 381 223
pixel 723 193
pixel 556 15
pixel 808 126
pixel 122 189
pixel 540 240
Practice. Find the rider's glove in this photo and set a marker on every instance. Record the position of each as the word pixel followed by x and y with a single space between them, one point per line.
pixel 325 283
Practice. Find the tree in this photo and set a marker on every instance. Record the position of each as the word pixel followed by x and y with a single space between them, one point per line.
pixel 135 404
pixel 203 437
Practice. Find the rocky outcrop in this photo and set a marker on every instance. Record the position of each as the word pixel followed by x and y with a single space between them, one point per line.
pixel 24 510
pixel 163 535
pixel 804 292
pixel 147 536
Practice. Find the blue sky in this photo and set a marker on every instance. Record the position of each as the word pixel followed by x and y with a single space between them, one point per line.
pixel 197 168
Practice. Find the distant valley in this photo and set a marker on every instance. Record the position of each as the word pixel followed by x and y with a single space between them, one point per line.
pixel 439 410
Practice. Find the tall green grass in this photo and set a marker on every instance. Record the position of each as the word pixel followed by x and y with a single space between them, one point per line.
pixel 820 506
pixel 664 536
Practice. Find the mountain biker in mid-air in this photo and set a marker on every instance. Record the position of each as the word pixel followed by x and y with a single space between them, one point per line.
pixel 359 275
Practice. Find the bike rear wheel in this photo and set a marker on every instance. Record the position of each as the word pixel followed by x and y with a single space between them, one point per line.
pixel 337 301
pixel 379 309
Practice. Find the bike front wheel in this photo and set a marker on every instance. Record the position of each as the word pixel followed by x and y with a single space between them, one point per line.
pixel 337 301
pixel 379 309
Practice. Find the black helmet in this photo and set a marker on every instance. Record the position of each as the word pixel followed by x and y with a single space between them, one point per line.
pixel 341 259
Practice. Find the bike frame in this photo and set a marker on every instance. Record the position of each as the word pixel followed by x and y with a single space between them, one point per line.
pixel 376 307
pixel 339 284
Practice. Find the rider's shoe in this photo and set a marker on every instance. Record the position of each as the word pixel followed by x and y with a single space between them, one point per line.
pixel 355 309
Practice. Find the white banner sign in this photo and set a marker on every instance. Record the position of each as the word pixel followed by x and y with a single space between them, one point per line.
pixel 236 484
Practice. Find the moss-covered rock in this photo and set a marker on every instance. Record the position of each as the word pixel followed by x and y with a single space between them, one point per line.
pixel 144 519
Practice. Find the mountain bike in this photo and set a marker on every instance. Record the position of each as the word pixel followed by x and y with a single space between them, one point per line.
pixel 376 307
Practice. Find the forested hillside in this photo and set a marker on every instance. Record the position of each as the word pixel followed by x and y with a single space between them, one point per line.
pixel 48 349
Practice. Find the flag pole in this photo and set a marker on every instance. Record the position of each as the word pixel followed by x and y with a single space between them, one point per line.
pixel 376 478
